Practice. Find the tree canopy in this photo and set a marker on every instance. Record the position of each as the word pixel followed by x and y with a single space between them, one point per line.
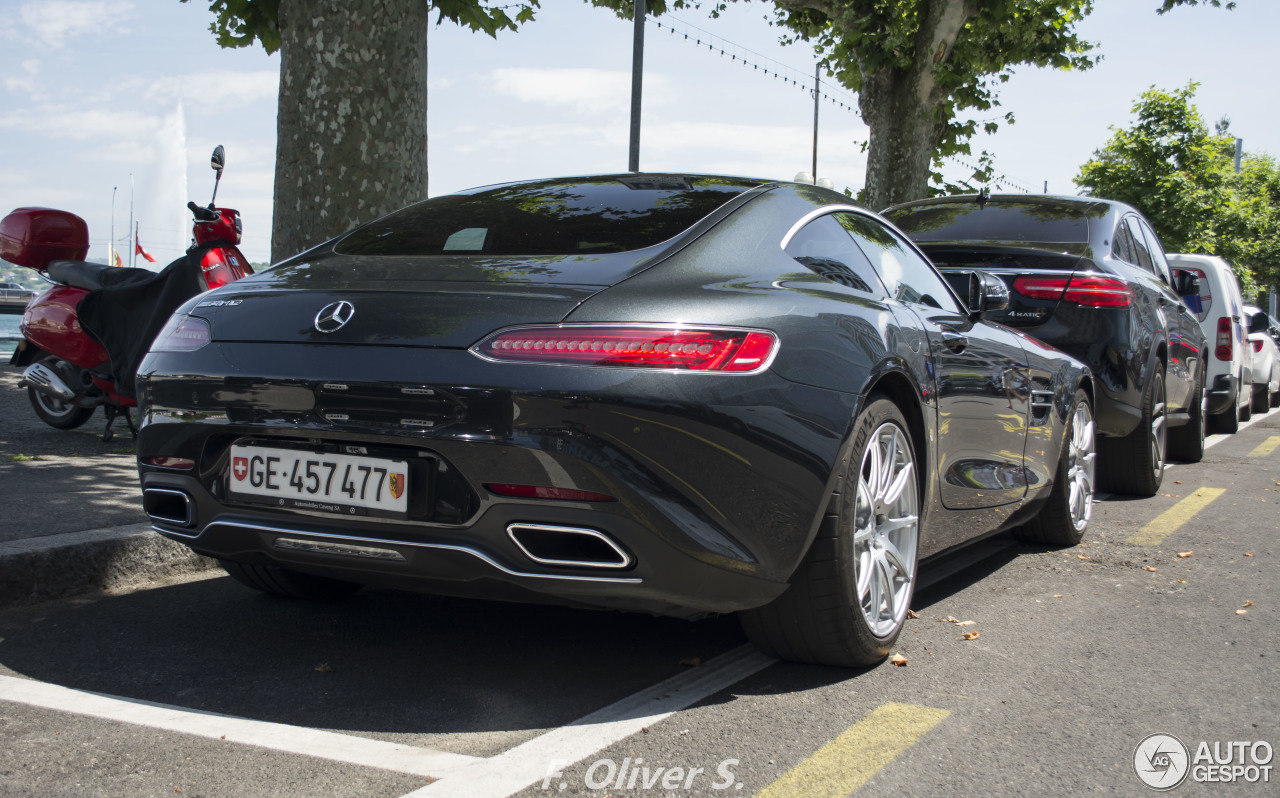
pixel 1170 166
pixel 239 23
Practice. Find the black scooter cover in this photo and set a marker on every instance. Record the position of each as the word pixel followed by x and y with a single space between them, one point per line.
pixel 127 314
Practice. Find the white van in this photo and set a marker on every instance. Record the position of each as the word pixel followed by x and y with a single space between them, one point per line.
pixel 1229 361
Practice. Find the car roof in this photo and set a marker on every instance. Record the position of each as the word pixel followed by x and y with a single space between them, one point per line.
pixel 1084 204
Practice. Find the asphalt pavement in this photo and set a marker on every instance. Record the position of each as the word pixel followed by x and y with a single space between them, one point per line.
pixel 71 518
pixel 1028 671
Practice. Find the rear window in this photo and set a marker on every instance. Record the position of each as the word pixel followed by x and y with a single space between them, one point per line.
pixel 994 221
pixel 561 217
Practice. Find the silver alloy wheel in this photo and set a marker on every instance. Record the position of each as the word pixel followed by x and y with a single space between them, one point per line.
pixel 1157 429
pixel 886 529
pixel 1081 453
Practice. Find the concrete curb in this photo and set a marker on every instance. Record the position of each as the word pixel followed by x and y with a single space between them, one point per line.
pixel 73 563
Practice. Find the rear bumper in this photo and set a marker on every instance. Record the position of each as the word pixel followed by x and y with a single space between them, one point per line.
pixel 719 481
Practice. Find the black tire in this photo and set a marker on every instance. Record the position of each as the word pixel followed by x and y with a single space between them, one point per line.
pixel 55 412
pixel 1066 513
pixel 291 584
pixel 1275 399
pixel 1134 464
pixel 1186 443
pixel 1261 399
pixel 837 610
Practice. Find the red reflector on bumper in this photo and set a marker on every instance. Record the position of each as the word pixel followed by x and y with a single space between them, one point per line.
pixel 546 492
pixel 181 463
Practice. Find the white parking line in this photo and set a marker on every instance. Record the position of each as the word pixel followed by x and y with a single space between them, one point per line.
pixel 276 736
pixel 512 771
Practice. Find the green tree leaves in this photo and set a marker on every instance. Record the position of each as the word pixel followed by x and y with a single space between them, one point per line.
pixel 1180 175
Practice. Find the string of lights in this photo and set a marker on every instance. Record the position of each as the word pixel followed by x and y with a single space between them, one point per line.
pixel 1001 182
pixel 770 67
pixel 757 62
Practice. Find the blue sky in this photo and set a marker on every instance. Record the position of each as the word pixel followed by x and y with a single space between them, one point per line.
pixel 95 94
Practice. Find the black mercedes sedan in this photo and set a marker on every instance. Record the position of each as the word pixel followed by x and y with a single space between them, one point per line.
pixel 674 394
pixel 1088 276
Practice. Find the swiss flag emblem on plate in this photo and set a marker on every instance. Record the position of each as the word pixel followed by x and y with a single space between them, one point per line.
pixel 239 468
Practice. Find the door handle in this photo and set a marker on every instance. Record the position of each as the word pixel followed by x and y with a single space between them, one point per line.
pixel 953 340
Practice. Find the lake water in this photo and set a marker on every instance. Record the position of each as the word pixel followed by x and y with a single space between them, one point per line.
pixel 9 335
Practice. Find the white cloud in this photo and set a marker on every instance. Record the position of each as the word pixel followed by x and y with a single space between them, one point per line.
pixel 587 91
pixel 53 22
pixel 81 124
pixel 211 87
pixel 27 82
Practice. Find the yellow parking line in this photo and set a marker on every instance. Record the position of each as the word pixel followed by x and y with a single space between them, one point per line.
pixel 1165 524
pixel 1268 446
pixel 847 762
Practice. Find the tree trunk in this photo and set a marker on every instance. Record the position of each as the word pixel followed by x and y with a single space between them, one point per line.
pixel 351 139
pixel 898 105
pixel 902 141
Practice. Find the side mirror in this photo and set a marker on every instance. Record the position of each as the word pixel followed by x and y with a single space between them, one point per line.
pixel 1259 322
pixel 219 159
pixel 986 293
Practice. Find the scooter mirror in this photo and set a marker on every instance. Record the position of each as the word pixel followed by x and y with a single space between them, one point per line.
pixel 219 159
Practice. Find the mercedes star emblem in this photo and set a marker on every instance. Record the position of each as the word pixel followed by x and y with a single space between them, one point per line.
pixel 334 317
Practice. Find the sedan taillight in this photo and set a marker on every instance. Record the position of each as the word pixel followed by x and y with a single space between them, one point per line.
pixel 1223 351
pixel 684 348
pixel 1257 346
pixel 1087 290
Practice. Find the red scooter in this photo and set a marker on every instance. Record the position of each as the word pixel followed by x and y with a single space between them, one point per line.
pixel 84 337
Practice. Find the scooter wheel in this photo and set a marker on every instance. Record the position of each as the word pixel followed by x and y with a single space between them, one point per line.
pixel 55 412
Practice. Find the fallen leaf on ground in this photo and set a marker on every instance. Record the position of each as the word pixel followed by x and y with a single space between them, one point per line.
pixel 1057 595
pixel 1149 568
pixel 1248 603
pixel 1082 556
pixel 1185 554
pixel 1177 482
pixel 324 668
pixel 970 635
pixel 899 660
pixel 1242 612
pixel 912 614
pixel 692 662
pixel 1248 554
pixel 964 623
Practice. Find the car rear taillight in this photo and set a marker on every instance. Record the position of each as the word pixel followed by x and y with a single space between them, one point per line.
pixel 1257 346
pixel 684 348
pixel 182 334
pixel 1088 290
pixel 1223 351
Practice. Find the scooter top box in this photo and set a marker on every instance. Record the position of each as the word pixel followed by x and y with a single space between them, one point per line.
pixel 33 237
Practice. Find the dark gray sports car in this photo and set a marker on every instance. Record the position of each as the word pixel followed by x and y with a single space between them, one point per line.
pixel 676 394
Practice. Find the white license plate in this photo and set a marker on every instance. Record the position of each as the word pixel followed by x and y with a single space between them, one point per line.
pixel 330 482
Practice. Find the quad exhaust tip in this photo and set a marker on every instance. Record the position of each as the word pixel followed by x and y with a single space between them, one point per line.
pixel 573 546
pixel 169 506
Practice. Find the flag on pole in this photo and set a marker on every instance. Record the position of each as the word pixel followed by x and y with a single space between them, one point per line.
pixel 115 257
pixel 138 250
